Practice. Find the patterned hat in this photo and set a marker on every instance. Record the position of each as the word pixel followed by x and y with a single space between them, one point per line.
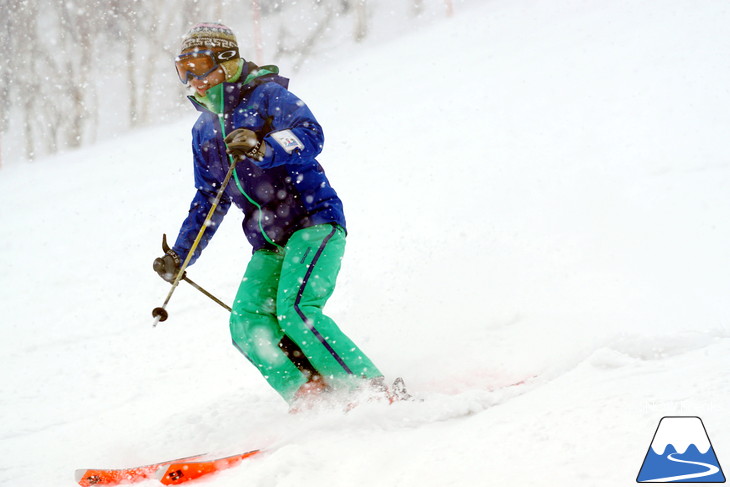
pixel 209 35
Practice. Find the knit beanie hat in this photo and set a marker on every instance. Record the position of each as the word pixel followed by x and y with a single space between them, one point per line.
pixel 217 37
pixel 209 35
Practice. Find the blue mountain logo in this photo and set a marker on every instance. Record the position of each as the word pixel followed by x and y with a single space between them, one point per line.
pixel 681 452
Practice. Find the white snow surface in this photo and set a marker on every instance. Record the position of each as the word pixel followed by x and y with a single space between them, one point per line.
pixel 532 189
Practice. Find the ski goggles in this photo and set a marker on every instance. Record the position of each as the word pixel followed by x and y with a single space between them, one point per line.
pixel 200 63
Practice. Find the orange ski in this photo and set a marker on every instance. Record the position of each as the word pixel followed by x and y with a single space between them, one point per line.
pixel 179 472
pixel 116 476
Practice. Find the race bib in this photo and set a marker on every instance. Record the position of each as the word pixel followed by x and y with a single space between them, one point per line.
pixel 287 140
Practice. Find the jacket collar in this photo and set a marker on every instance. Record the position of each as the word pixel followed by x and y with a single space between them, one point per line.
pixel 229 95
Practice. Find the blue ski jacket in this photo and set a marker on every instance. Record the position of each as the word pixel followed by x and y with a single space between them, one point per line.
pixel 286 191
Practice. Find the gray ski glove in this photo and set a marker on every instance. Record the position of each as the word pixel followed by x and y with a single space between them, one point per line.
pixel 244 143
pixel 167 266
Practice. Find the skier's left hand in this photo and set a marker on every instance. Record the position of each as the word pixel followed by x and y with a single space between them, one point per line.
pixel 242 143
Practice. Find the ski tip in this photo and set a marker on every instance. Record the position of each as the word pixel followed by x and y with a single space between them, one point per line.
pixel 161 472
pixel 87 478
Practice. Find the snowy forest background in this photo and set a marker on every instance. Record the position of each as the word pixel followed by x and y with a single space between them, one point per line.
pixel 84 70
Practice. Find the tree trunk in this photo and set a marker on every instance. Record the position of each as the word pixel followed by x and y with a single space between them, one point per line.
pixel 361 20
pixel 417 7
pixel 132 79
pixel 257 39
pixel 29 122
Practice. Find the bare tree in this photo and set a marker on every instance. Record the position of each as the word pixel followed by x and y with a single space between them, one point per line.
pixel 257 39
pixel 162 26
pixel 300 48
pixel 148 34
pixel 66 55
pixel 121 23
pixel 417 7
pixel 22 42
pixel 361 20
pixel 7 41
pixel 321 17
pixel 76 36
pixel 449 7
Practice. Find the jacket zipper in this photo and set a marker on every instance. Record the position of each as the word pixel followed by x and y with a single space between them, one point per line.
pixel 240 187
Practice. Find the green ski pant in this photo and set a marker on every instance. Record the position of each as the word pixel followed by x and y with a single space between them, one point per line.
pixel 277 320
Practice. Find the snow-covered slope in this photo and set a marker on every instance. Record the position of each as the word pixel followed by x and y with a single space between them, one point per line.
pixel 532 188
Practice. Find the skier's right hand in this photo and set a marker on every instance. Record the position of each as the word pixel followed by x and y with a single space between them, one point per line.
pixel 242 143
pixel 167 266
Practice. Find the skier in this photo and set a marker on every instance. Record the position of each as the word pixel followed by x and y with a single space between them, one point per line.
pixel 292 217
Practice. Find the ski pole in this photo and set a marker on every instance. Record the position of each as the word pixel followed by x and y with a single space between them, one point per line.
pixel 186 279
pixel 160 313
